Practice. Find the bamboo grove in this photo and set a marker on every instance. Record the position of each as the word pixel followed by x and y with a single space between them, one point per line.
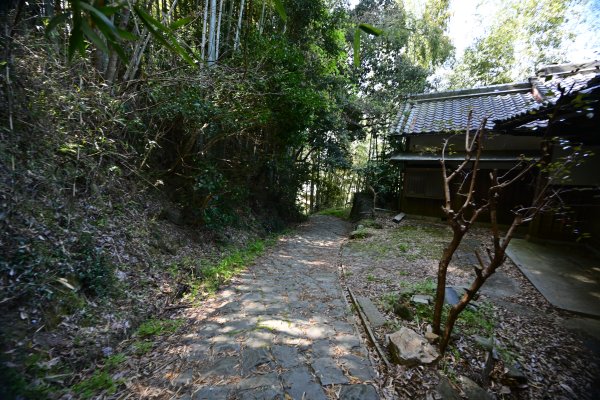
pixel 227 106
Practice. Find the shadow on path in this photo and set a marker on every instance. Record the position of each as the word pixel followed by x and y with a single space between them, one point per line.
pixel 282 330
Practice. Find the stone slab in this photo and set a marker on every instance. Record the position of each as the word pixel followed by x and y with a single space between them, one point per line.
pixel 212 393
pixel 286 356
pixel 269 380
pixel 254 357
pixel 348 343
pixel 422 299
pixel 328 371
pixel 588 326
pixel 473 391
pixel 445 390
pixel 398 218
pixel 501 285
pixel 224 344
pixel 300 384
pixel 451 296
pixel 224 366
pixel 376 319
pixel 358 367
pixel 358 392
pixel 568 278
pixel 286 311
pixel 261 394
pixel 184 378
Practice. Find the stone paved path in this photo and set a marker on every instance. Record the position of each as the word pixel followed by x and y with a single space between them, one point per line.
pixel 282 330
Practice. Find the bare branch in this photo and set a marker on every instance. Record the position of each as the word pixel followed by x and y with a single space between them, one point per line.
pixel 515 167
pixel 493 199
pixel 516 178
pixel 468 130
pixel 477 142
pixel 510 233
pixel 479 259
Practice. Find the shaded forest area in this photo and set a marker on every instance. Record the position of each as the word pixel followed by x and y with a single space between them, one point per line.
pixel 149 149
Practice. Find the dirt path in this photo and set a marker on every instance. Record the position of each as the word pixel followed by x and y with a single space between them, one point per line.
pixel 282 330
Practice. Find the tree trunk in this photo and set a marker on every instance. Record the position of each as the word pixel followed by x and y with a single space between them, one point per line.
pixel 140 48
pixel 468 296
pixel 218 41
pixel 49 8
pixel 262 18
pixel 111 69
pixel 212 33
pixel 229 20
pixel 441 278
pixel 238 31
pixel 9 30
pixel 203 45
pixel 312 187
pixel 99 56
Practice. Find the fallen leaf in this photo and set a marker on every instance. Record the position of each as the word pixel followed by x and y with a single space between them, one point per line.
pixel 66 283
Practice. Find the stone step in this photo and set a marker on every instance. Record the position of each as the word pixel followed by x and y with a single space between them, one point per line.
pixel 376 319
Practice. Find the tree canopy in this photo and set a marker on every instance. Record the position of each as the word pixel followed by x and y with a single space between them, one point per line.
pixel 231 102
pixel 524 36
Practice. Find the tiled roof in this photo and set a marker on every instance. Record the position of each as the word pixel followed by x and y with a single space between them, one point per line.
pixel 551 91
pixel 448 111
pixel 492 157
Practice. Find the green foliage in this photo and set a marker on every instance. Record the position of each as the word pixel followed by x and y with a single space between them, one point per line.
pixel 289 107
pixel 211 276
pixel 525 35
pixel 446 366
pixel 431 46
pixel 94 269
pixel 217 274
pixel 278 5
pixel 58 276
pixel 382 176
pixel 95 24
pixel 420 241
pixel 99 381
pixel 420 311
pixel 426 286
pixel 146 332
pixel 362 27
pixel 86 21
pixel 489 61
pixel 277 113
pixel 15 384
pixel 388 300
pixel 142 347
pixel 410 241
pixel 360 233
pixel 343 213
pixel 155 327
pixel 396 62
pixel 477 321
pixel 115 360
pixel 163 34
pixel 370 223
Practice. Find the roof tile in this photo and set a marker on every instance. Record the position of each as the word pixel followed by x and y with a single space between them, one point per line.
pixel 448 111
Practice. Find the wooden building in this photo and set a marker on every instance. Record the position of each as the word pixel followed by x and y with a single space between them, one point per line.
pixel 560 101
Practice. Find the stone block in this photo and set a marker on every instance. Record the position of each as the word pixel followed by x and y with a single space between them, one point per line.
pixel 409 348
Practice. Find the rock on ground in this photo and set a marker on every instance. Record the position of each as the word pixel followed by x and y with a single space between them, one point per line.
pixel 409 348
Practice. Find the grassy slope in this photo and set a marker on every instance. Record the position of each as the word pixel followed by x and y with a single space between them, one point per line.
pixel 88 251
